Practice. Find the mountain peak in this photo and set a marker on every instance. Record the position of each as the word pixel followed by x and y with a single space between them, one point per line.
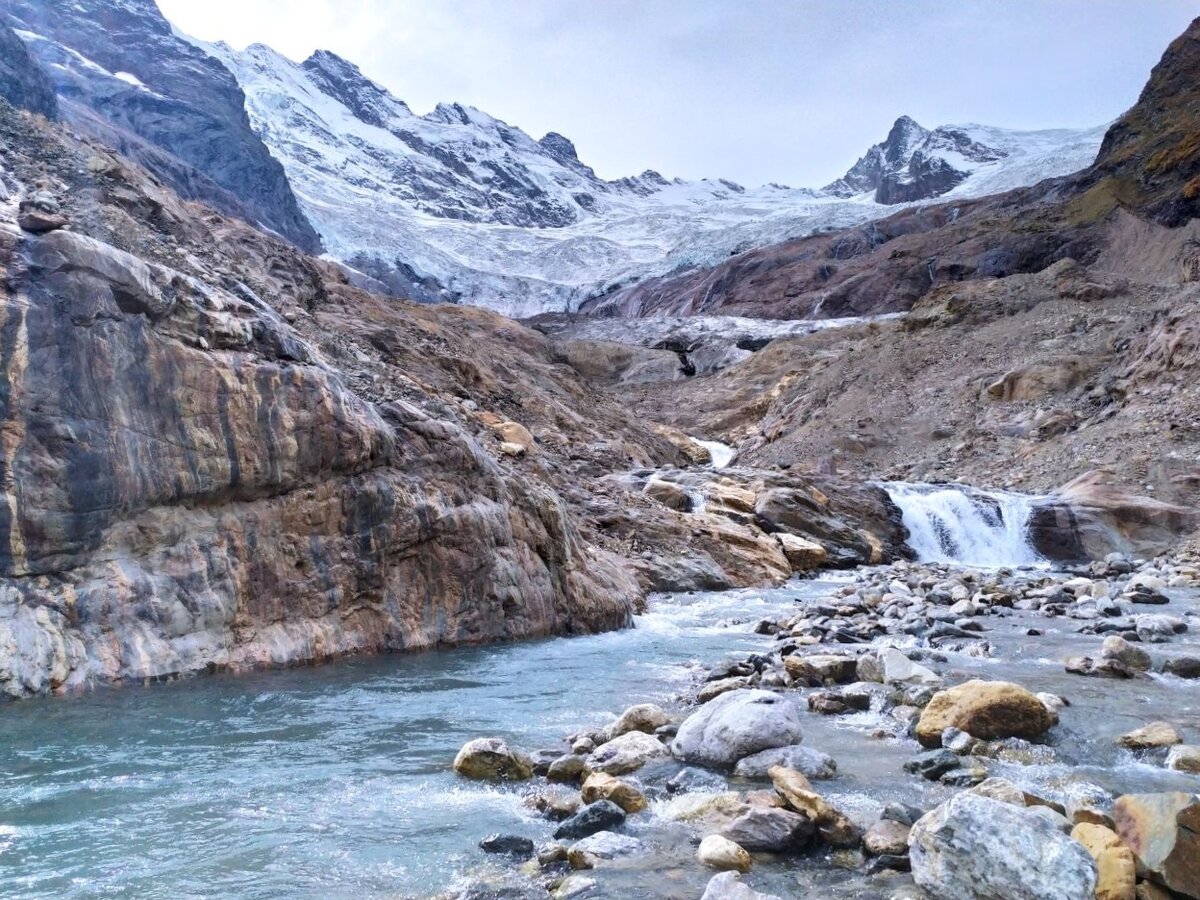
pixel 560 147
pixel 342 80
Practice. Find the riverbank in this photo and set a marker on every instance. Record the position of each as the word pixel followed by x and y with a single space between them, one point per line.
pixel 859 664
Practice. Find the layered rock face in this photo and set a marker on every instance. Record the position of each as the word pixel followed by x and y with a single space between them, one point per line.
pixel 219 453
pixel 189 486
pixel 125 77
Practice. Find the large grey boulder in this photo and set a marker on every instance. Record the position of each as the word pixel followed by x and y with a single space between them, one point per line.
pixel 736 725
pixel 977 848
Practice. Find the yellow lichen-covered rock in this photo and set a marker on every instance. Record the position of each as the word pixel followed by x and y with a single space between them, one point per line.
pixel 601 786
pixel 984 709
pixel 1117 870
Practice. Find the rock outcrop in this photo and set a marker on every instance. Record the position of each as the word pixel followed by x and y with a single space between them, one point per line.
pixel 23 81
pixel 192 485
pixel 189 487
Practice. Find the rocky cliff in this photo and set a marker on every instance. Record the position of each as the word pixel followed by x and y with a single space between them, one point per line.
pixel 125 76
pixel 23 82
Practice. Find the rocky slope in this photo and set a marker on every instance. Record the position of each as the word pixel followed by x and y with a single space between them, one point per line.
pixel 24 83
pixel 1039 335
pixel 124 76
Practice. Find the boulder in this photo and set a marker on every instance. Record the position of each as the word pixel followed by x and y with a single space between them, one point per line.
pixel 736 725
pixel 669 494
pixel 602 786
pixel 722 854
pixel 491 759
pixel 726 887
pixel 1000 789
pixel 644 717
pixel 1182 667
pixel 804 555
pixel 821 668
pixel 1129 655
pixel 887 838
pixel 1150 737
pixel 508 845
pixel 1184 758
pixel 625 754
pixel 899 669
pixel 767 830
pixel 1163 831
pixel 568 768
pixel 1116 868
pixel 809 762
pixel 600 816
pixel 835 828
pixel 603 845
pixel 710 811
pixel 977 848
pixel 984 709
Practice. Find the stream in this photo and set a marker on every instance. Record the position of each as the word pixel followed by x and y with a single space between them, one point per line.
pixel 335 781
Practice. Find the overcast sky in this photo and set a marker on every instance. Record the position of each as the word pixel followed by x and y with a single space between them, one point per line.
pixel 756 90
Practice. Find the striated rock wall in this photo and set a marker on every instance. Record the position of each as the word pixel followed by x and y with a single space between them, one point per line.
pixel 187 486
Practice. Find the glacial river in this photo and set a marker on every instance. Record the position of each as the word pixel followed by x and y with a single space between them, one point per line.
pixel 335 782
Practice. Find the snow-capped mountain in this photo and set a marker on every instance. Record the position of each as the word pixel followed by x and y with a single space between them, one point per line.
pixel 461 201
pixel 914 163
pixel 456 204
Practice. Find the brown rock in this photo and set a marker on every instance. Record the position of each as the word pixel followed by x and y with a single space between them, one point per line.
pixel 39 221
pixel 835 828
pixel 1149 737
pixel 804 555
pixel 887 837
pixel 1114 861
pixel 601 786
pixel 669 494
pixel 984 709
pixel 1163 830
pixel 491 759
pixel 821 669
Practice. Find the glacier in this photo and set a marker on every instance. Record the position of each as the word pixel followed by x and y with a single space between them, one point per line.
pixel 457 205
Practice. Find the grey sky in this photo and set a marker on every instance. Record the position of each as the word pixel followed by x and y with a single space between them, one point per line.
pixel 755 90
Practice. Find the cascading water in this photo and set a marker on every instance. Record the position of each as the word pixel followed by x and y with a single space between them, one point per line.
pixel 722 454
pixel 954 523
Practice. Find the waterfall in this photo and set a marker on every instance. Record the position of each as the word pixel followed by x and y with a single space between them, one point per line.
pixel 721 454
pixel 954 523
